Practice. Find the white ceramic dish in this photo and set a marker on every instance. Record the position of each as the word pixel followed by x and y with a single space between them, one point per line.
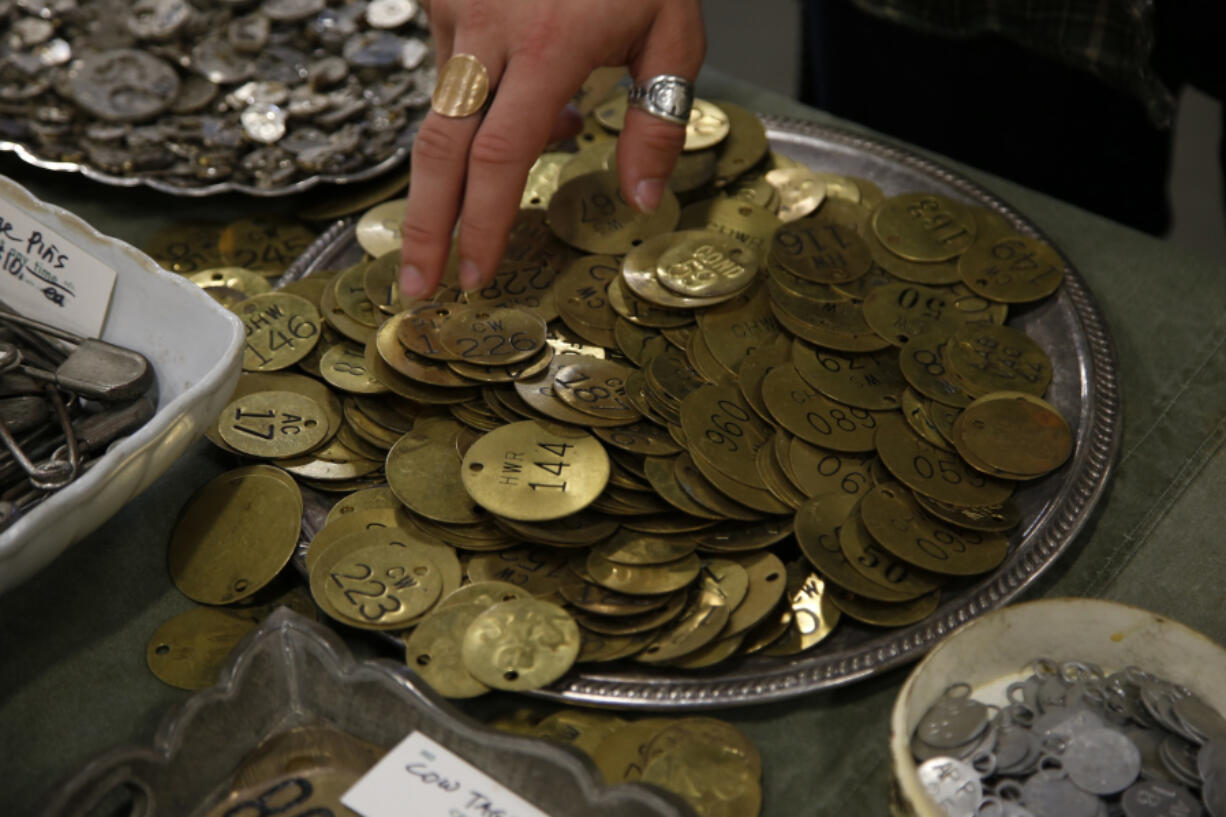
pixel 994 650
pixel 194 346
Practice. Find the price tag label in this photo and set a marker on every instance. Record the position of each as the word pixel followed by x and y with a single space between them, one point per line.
pixel 46 277
pixel 437 782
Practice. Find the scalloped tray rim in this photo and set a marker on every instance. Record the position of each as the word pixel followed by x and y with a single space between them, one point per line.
pixel 399 155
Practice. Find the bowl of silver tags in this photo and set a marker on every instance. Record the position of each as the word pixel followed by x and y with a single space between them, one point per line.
pixel 109 368
pixel 1063 708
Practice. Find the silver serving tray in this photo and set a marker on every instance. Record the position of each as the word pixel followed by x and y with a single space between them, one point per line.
pixel 1085 388
pixel 29 156
pixel 293 672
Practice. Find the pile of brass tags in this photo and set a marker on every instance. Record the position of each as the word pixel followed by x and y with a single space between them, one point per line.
pixel 187 95
pixel 1071 740
pixel 674 438
pixel 63 400
pixel 709 763
pixel 308 768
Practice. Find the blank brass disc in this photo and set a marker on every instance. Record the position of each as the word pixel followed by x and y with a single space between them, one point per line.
pixel 424 473
pixel 189 650
pixel 1013 433
pixel 433 651
pixel 234 536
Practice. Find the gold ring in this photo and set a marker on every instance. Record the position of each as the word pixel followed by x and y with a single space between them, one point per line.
pixel 463 86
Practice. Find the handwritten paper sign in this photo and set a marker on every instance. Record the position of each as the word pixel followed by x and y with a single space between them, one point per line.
pixel 420 777
pixel 46 277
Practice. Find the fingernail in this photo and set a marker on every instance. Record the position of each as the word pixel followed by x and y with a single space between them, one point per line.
pixel 470 276
pixel 647 194
pixel 411 282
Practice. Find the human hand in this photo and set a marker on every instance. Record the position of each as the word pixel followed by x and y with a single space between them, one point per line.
pixel 537 53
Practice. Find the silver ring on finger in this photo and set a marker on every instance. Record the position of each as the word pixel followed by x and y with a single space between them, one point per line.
pixel 666 96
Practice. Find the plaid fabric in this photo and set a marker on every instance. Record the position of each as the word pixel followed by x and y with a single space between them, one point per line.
pixel 1112 39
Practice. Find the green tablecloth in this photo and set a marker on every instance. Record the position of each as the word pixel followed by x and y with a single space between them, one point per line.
pixel 73 681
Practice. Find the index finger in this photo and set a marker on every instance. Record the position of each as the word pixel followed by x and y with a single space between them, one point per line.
pixel 534 89
pixel 439 165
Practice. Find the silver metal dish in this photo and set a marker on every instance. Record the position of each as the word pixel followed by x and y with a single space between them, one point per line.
pixel 27 155
pixel 1085 388
pixel 292 672
pixel 136 180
